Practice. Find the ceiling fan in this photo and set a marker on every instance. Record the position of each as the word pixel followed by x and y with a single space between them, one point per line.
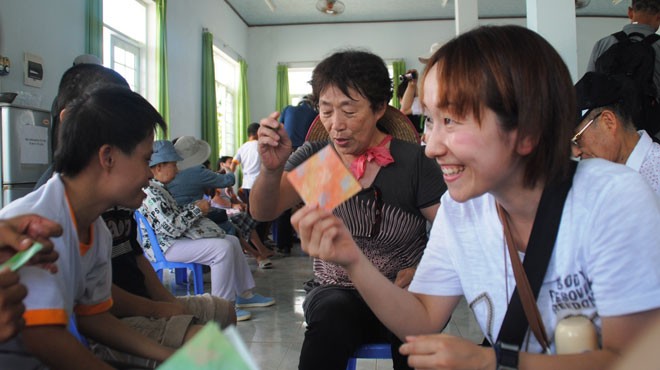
pixel 579 4
pixel 331 7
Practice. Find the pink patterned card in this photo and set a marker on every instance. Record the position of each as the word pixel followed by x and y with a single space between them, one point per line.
pixel 324 180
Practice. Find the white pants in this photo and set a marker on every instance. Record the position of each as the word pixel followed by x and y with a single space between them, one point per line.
pixel 230 273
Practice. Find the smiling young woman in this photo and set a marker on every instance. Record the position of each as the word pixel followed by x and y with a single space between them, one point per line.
pixel 501 106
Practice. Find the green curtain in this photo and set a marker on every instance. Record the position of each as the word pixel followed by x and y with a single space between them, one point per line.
pixel 398 68
pixel 162 87
pixel 242 106
pixel 94 28
pixel 209 108
pixel 282 98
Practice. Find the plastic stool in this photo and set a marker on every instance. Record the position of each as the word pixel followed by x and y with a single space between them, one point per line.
pixel 373 350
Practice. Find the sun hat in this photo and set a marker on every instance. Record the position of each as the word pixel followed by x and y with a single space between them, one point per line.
pixel 194 151
pixel 393 122
pixel 163 152
pixel 425 58
pixel 87 59
pixel 595 90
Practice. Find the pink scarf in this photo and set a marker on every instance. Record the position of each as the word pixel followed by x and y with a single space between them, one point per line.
pixel 380 154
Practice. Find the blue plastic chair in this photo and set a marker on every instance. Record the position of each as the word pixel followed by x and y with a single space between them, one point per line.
pixel 371 351
pixel 161 263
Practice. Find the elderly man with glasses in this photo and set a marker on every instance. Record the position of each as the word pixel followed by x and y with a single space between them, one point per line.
pixel 605 128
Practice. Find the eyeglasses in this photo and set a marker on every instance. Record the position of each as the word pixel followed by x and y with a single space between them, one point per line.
pixel 375 203
pixel 576 138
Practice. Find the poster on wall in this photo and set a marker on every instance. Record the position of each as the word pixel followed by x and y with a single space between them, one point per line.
pixel 34 70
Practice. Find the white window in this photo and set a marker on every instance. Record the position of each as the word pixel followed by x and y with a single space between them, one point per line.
pixel 128 42
pixel 226 85
pixel 299 83
pixel 390 71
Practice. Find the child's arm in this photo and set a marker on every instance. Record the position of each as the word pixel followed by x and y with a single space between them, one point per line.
pixel 126 304
pixel 109 330
pixel 155 289
pixel 221 200
pixel 57 348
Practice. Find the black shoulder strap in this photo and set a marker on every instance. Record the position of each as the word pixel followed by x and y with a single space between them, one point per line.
pixel 651 39
pixel 621 36
pixel 537 256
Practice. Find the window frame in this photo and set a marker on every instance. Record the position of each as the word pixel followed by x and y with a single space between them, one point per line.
pixel 119 41
pixel 145 83
pixel 226 130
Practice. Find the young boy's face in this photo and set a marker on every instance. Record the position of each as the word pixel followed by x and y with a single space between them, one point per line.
pixel 132 174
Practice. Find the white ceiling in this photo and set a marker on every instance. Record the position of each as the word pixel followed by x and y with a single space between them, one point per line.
pixel 288 12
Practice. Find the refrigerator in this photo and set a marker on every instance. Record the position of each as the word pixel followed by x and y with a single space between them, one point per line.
pixel 25 148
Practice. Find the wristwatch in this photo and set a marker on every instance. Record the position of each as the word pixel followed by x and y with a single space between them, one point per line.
pixel 506 355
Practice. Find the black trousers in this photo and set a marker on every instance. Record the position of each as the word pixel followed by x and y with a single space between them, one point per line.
pixel 284 237
pixel 338 322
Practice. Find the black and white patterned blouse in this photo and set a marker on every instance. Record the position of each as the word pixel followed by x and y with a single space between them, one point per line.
pixel 385 219
pixel 171 221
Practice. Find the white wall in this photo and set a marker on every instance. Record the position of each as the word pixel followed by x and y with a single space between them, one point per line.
pixel 272 45
pixel 185 21
pixel 269 46
pixel 54 30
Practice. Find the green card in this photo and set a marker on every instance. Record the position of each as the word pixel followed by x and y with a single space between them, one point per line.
pixel 212 349
pixel 21 258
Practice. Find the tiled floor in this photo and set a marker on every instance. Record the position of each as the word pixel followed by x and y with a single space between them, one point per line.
pixel 274 335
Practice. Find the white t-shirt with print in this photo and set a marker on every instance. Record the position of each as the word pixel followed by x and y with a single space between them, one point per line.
pixel 606 261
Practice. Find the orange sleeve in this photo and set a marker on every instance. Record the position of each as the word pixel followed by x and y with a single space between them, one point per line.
pixel 86 310
pixel 45 317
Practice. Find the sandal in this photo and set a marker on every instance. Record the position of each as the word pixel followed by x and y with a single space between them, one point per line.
pixel 274 255
pixel 265 264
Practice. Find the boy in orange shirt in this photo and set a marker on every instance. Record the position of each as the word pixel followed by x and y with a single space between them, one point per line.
pixel 102 160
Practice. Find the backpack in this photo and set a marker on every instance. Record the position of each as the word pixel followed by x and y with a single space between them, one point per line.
pixel 633 57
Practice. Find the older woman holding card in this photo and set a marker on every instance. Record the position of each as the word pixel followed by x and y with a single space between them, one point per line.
pixel 387 218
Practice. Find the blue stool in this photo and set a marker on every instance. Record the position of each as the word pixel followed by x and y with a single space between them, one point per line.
pixel 181 269
pixel 73 329
pixel 374 350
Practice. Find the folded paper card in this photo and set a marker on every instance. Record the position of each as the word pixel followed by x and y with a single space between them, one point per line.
pixel 21 258
pixel 324 180
pixel 212 349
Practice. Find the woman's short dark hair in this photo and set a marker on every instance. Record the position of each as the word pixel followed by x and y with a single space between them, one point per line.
pixel 518 75
pixel 362 71
pixel 111 115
